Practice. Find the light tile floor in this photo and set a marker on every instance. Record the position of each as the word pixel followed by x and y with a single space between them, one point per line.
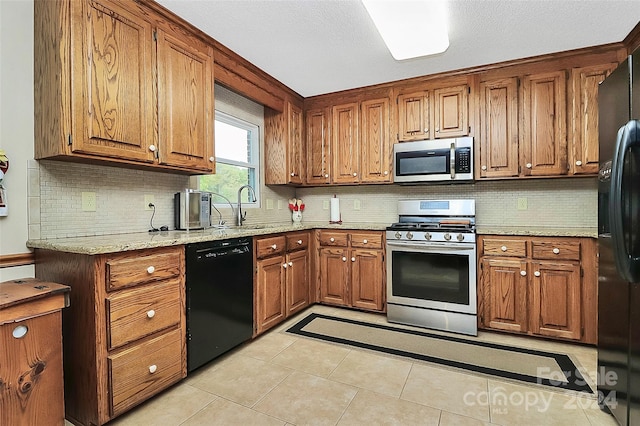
pixel 281 379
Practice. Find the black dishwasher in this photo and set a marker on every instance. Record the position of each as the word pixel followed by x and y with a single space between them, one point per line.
pixel 219 298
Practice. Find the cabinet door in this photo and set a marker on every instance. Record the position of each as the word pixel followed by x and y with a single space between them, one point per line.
pixel 318 151
pixel 345 146
pixel 270 293
pixel 113 98
pixel 334 276
pixel 295 157
pixel 374 136
pixel 451 111
pixel 555 300
pixel 499 128
pixel 584 131
pixel 185 102
pixel 413 116
pixel 504 294
pixel 367 279
pixel 544 136
pixel 297 289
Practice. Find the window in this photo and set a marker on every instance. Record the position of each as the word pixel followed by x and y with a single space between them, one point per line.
pixel 237 160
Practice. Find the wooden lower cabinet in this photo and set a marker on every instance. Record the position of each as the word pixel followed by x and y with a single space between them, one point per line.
pixel 349 275
pixel 544 286
pixel 124 331
pixel 282 278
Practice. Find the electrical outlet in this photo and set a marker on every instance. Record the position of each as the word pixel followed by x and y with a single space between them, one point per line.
pixel 522 203
pixel 149 199
pixel 88 201
pixel 356 204
pixel 325 205
pixel 279 204
pixel 269 204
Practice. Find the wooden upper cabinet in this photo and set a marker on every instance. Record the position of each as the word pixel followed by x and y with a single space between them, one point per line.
pixel 583 157
pixel 112 89
pixel 375 141
pixel 499 128
pixel 345 145
pixel 544 135
pixel 318 146
pixel 451 111
pixel 185 106
pixel 284 156
pixel 413 116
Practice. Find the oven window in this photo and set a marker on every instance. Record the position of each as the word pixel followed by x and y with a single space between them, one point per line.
pixel 431 276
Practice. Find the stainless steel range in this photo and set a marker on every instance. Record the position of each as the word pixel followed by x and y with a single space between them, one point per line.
pixel 431 265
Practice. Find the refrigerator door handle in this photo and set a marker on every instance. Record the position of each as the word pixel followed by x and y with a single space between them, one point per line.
pixel 628 266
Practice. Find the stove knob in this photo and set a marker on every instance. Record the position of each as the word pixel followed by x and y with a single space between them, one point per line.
pixel 447 236
pixel 460 237
pixel 427 236
pixel 398 235
pixel 409 235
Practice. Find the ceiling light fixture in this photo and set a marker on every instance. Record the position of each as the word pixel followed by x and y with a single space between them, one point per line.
pixel 410 28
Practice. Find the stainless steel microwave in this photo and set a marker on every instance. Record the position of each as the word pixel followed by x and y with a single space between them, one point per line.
pixel 439 160
pixel 192 209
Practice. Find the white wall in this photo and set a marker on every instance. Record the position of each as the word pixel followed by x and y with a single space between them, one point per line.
pixel 16 125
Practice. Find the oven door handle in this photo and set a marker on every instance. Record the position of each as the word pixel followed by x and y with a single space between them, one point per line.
pixel 432 247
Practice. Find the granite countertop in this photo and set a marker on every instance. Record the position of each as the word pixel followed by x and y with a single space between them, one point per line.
pixel 100 244
pixel 537 231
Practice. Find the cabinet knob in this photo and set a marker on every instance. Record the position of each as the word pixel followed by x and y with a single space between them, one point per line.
pixel 326 175
pixel 355 174
pixel 426 130
pixel 529 165
pixel 365 241
pixel 332 239
pixel 152 148
pixel 284 265
pixel 274 246
pixel 299 242
pixel 292 174
pixel 151 270
pixel 437 130
pixel 578 163
pixel 153 368
pixel 353 259
pixel 523 273
pixel 290 263
pixel 536 273
pixel 503 248
pixel 344 259
pixel 212 159
pixel 556 250
pixel 484 168
pixel 386 172
pixel 151 313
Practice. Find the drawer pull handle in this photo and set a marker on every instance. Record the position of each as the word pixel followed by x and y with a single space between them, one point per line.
pixel 20 331
pixel 151 270
pixel 353 259
pixel 299 242
pixel 536 273
pixel 503 248
pixel 273 247
pixel 332 239
pixel 151 313
pixel 153 368
pixel 556 251
pixel 365 241
pixel 523 273
pixel 344 259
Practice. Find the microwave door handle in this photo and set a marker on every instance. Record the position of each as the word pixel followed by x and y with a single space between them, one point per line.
pixel 452 160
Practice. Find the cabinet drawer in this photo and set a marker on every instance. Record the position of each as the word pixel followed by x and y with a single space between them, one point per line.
pixel 270 246
pixel 144 370
pixel 366 240
pixel 504 247
pixel 333 239
pixel 566 250
pixel 139 312
pixel 297 241
pixel 134 268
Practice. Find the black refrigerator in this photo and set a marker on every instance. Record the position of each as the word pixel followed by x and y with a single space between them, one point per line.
pixel 619 242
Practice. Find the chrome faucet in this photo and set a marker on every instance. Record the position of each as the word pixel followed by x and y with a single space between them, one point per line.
pixel 220 221
pixel 239 216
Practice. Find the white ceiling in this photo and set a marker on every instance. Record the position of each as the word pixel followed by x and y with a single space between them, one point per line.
pixel 322 46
